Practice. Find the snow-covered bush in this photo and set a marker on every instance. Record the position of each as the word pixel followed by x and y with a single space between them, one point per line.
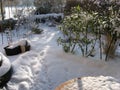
pixel 7 23
pixel 17 47
pixel 102 23
pixel 5 65
pixel 43 9
pixel 5 70
pixel 35 29
pixel 109 20
pixel 43 6
pixel 48 17
pixel 75 28
pixel 47 6
pixel 21 42
pixel 70 4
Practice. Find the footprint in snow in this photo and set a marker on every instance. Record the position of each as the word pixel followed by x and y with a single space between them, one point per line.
pixel 23 86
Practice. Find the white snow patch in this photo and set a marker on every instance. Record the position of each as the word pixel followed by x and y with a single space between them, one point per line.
pixel 21 42
pixel 6 65
pixel 91 83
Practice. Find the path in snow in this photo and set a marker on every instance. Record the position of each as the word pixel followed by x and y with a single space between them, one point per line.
pixel 30 69
pixel 61 66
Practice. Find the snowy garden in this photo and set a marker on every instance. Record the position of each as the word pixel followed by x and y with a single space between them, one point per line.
pixel 60 45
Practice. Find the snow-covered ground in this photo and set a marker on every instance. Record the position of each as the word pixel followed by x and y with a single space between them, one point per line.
pixel 46 65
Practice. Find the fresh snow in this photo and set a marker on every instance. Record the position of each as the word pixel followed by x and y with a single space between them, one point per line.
pixel 46 65
pixel 87 83
pixel 4 68
pixel 21 42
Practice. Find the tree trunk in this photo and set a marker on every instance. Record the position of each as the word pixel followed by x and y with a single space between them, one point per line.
pixel 2 15
pixel 111 49
pixel 1 7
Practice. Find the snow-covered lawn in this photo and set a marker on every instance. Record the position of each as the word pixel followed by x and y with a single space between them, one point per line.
pixel 46 65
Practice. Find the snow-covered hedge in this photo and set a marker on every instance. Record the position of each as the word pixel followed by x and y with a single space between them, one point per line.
pixel 5 66
pixel 44 17
pixel 21 42
pixel 18 47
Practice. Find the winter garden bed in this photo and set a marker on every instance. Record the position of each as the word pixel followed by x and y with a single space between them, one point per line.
pixel 17 47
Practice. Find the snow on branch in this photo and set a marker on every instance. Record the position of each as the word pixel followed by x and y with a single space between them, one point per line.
pixel 54 15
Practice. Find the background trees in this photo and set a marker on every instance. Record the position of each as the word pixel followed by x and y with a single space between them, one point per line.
pixel 55 6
